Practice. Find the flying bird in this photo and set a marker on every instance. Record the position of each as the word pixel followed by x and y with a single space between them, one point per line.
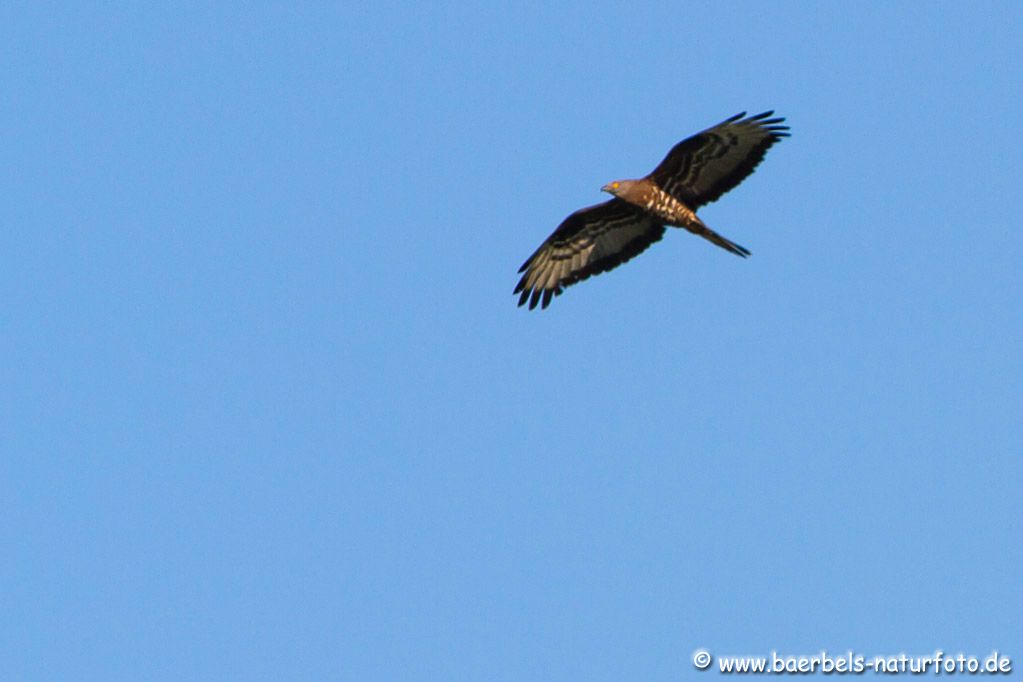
pixel 697 171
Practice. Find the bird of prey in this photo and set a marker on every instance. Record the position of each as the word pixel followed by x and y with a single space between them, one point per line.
pixel 697 171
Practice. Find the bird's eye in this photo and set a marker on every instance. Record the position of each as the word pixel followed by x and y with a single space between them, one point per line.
pixel 615 185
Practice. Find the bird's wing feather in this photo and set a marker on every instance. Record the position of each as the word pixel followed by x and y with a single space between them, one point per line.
pixel 699 169
pixel 588 242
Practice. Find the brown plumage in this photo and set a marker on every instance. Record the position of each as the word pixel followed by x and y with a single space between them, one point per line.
pixel 697 171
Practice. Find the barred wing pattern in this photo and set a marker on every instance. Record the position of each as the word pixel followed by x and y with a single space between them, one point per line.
pixel 699 169
pixel 588 242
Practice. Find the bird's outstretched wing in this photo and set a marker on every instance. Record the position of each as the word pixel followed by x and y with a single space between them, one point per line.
pixel 699 169
pixel 590 241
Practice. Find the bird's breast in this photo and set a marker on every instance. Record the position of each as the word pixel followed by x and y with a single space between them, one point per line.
pixel 668 208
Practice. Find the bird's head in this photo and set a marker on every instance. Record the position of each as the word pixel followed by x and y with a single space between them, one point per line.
pixel 617 188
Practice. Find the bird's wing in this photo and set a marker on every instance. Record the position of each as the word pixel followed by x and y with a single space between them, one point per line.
pixel 590 241
pixel 699 169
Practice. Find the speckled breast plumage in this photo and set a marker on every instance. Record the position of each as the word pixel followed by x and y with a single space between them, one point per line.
pixel 668 208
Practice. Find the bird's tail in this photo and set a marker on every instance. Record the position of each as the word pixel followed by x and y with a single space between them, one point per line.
pixel 713 237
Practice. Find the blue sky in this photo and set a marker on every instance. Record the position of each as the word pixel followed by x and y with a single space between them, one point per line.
pixel 269 411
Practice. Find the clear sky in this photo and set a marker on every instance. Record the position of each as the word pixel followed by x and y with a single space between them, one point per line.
pixel 268 409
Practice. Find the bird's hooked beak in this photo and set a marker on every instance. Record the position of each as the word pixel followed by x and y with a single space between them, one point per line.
pixel 607 188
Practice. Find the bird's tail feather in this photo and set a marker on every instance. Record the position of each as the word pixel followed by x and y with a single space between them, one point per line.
pixel 714 238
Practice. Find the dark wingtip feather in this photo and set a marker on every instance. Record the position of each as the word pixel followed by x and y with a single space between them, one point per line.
pixel 538 297
pixel 535 298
